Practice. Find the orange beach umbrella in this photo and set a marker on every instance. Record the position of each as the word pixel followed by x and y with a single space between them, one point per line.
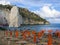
pixel 49 39
pixel 34 39
pixel 34 32
pixel 10 33
pixel 16 34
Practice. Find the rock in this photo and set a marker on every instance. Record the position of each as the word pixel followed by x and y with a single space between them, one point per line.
pixel 3 19
pixel 14 18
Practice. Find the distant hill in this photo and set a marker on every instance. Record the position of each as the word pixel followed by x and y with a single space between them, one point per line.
pixel 29 17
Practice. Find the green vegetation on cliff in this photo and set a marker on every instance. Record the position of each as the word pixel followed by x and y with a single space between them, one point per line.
pixel 25 13
pixel 30 15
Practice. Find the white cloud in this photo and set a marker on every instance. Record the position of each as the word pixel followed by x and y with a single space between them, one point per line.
pixel 55 20
pixel 48 12
pixel 4 2
pixel 29 3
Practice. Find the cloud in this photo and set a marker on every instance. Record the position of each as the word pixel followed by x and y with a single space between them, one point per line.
pixel 4 2
pixel 49 13
pixel 28 3
pixel 32 3
pixel 54 20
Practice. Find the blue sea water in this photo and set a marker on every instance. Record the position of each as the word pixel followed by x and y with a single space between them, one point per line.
pixel 37 28
pixel 53 27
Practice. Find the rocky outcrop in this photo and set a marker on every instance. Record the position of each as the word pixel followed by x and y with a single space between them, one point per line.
pixel 15 19
pixel 10 18
pixel 13 16
pixel 4 16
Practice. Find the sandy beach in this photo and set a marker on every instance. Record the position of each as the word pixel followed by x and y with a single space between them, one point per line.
pixel 8 38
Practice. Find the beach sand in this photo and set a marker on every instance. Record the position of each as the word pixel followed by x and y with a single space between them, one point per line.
pixel 7 40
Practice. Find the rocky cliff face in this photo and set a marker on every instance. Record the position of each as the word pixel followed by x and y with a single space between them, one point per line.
pixel 15 19
pixel 4 16
pixel 10 17
pixel 14 16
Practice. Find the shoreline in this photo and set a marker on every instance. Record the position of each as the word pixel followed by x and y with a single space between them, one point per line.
pixel 33 24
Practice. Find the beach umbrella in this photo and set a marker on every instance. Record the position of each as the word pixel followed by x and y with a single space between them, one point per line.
pixel 24 36
pixel 6 33
pixel 16 34
pixel 28 33
pixel 49 40
pixel 49 37
pixel 42 32
pixel 34 39
pixel 22 32
pixel 25 31
pixel 33 32
pixel 57 33
pixel 50 31
pixel 39 34
pixel 10 33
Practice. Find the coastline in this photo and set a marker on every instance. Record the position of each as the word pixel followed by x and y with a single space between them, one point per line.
pixel 33 24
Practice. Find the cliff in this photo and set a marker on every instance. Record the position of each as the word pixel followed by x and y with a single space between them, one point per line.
pixel 28 16
pixel 31 17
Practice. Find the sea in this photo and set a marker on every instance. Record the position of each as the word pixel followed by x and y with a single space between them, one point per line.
pixel 37 28
pixel 53 27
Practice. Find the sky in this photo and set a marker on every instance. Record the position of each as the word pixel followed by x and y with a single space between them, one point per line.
pixel 47 9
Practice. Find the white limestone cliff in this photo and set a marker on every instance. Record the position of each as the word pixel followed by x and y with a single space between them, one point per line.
pixel 4 15
pixel 14 18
